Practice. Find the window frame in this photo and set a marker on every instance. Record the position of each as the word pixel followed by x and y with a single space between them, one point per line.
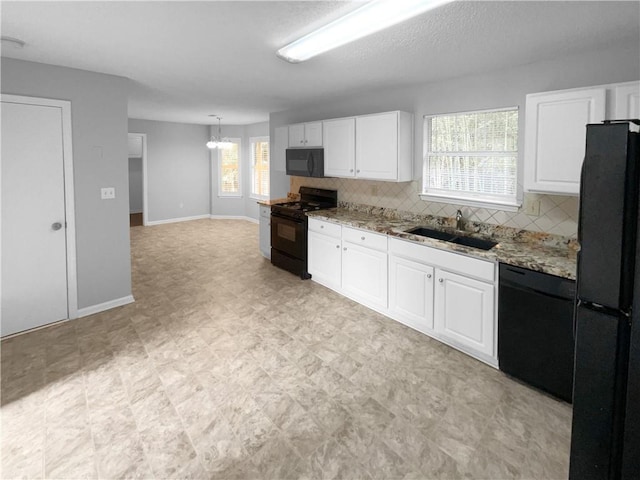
pixel 252 142
pixel 472 199
pixel 218 155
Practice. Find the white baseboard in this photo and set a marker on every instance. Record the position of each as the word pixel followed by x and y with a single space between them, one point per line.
pixel 233 217
pixel 101 307
pixel 174 220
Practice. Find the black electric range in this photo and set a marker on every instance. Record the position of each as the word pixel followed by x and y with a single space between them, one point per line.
pixel 289 228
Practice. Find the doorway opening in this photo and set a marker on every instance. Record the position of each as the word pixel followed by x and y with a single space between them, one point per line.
pixel 137 179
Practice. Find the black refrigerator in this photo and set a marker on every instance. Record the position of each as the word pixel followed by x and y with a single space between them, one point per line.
pixel 605 440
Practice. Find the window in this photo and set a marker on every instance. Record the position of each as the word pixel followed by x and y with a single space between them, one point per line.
pixel 471 158
pixel 260 167
pixel 229 179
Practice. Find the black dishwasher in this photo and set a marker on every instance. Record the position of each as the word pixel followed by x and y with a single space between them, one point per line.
pixel 535 329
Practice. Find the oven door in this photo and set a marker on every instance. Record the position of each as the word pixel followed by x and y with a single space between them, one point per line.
pixel 289 236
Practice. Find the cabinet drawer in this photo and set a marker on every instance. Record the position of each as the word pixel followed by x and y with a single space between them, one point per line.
pixel 327 228
pixel 265 211
pixel 365 238
pixel 454 262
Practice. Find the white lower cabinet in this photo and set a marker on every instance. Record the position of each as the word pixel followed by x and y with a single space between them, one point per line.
pixel 445 295
pixel 325 259
pixel 265 231
pixel 464 311
pixel 364 274
pixel 411 293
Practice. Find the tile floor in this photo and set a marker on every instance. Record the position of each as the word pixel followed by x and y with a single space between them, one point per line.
pixel 226 367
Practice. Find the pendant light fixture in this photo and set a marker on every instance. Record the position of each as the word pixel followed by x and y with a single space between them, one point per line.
pixel 218 141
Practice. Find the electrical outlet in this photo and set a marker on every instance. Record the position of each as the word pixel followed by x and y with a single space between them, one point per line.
pixel 532 208
pixel 108 193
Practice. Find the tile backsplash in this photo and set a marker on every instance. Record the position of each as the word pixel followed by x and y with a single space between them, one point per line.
pixel 558 214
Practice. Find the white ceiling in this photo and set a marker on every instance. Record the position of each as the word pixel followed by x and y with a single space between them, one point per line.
pixel 191 59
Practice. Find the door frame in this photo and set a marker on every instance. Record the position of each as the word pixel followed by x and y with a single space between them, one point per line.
pixel 145 198
pixel 69 196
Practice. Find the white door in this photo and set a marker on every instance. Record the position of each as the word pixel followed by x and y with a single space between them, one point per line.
pixel 627 104
pixel 411 293
pixel 34 259
pixel 339 140
pixel 377 146
pixel 296 135
pixel 313 134
pixel 325 259
pixel 364 274
pixel 464 311
pixel 555 137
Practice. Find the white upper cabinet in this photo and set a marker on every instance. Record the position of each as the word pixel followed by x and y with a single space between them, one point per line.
pixel 339 140
pixel 384 146
pixel 555 136
pixel 627 101
pixel 305 135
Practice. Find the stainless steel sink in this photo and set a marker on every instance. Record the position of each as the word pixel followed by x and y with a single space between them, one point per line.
pixel 464 240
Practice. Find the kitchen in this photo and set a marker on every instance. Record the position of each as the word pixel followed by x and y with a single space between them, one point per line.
pixel 480 91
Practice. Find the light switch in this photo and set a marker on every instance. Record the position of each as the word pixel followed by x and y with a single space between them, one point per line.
pixel 108 193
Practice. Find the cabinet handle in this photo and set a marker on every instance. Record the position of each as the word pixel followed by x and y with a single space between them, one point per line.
pixel 301 141
pixel 361 238
pixel 428 275
pixel 321 226
pixel 440 280
pixel 357 171
pixel 351 171
pixel 345 249
pixel 338 246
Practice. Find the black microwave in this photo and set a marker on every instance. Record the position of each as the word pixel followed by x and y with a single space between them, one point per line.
pixel 305 162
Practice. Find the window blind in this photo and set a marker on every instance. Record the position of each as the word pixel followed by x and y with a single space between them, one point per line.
pixel 229 161
pixel 260 166
pixel 473 154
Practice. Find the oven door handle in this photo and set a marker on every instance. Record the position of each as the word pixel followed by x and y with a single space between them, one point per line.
pixel 284 217
pixel 310 163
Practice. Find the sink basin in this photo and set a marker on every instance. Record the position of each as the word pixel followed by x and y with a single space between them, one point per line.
pixel 452 238
pixel 474 242
pixel 427 232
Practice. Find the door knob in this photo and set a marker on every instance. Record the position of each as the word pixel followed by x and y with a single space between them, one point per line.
pixel 56 226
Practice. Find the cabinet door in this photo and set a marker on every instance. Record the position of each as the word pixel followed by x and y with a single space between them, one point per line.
pixel 411 293
pixel 377 146
pixel 364 274
pixel 265 236
pixel 627 101
pixel 313 134
pixel 279 150
pixel 296 135
pixel 339 140
pixel 324 259
pixel 555 136
pixel 464 311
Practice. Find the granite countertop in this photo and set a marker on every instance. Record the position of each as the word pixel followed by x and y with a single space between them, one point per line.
pixel 516 247
pixel 273 201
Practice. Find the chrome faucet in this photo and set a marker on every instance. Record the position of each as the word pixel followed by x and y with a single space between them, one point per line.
pixel 459 221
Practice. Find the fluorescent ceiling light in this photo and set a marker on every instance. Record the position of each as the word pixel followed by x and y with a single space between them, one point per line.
pixel 374 16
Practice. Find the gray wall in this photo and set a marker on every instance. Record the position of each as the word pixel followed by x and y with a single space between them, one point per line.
pixel 243 206
pixel 178 169
pixel 99 123
pixel 135 185
pixel 508 87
